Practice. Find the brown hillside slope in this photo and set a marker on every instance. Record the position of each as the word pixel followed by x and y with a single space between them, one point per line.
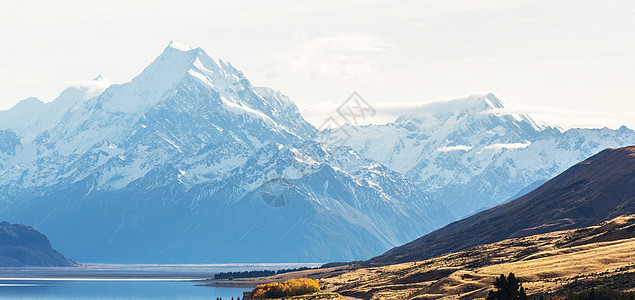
pixel 549 264
pixel 595 190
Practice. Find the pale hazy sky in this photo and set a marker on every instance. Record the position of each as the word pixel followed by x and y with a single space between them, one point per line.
pixel 571 63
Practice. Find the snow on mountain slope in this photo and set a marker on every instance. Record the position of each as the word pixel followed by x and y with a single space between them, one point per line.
pixel 171 166
pixel 468 155
pixel 179 103
pixel 30 117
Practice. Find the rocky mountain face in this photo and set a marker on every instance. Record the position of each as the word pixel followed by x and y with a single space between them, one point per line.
pixel 597 189
pixel 22 246
pixel 475 152
pixel 190 163
pixel 9 142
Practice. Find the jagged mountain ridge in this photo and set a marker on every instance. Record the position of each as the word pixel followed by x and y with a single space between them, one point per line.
pixel 473 153
pixel 170 168
pixel 156 110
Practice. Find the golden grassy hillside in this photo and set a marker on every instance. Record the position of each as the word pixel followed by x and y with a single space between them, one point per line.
pixel 549 264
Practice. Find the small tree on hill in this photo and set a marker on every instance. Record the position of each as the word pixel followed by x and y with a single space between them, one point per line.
pixel 507 288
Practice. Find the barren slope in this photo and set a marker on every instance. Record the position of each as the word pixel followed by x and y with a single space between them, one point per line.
pixel 595 190
pixel 548 263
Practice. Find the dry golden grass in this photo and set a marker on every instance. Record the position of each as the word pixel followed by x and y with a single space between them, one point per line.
pixel 548 264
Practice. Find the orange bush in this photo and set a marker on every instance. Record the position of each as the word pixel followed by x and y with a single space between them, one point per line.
pixel 291 287
pixel 271 290
pixel 303 286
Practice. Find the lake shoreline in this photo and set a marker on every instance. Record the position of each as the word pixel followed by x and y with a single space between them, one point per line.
pixel 253 282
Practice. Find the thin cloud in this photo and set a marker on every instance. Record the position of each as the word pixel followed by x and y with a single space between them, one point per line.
pixel 341 56
pixel 564 118
pixel 574 118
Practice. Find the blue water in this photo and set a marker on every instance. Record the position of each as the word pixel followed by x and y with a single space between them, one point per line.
pixel 112 289
pixel 106 281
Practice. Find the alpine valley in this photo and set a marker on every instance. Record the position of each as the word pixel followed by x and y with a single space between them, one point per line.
pixel 190 163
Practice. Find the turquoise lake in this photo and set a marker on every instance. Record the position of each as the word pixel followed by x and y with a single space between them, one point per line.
pixel 104 281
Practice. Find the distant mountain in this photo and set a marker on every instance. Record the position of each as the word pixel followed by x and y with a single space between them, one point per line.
pixel 595 190
pixel 30 117
pixel 475 152
pixel 190 163
pixel 22 246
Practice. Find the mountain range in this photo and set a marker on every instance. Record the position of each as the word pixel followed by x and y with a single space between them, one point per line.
pixel 476 152
pixel 544 238
pixel 190 163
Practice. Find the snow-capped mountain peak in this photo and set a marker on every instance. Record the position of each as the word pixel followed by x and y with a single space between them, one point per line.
pixel 176 63
pixel 477 151
pixel 31 116
pixel 182 89
pixel 472 104
pixel 457 112
pixel 181 154
pixel 179 46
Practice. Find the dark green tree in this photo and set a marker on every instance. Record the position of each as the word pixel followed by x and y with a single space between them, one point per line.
pixel 507 288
